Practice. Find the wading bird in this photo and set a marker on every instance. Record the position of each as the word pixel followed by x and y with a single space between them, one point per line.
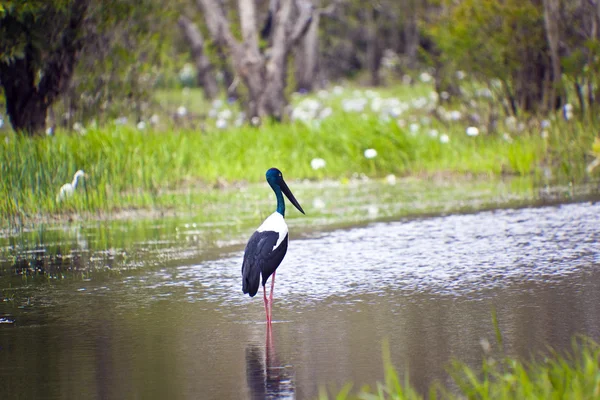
pixel 67 189
pixel 267 246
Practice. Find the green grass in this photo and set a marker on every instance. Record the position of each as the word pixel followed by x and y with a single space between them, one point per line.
pixel 160 167
pixel 574 375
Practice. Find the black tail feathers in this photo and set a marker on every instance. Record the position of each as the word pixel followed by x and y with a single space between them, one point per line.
pixel 251 281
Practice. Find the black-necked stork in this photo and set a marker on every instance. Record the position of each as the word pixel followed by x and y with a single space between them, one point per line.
pixel 267 246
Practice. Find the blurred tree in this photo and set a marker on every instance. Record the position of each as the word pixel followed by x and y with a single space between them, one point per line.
pixel 306 56
pixel 40 45
pixel 262 69
pixel 501 40
pixel 130 48
pixel 90 53
pixel 206 77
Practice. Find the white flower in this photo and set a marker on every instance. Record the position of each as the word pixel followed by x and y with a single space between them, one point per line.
pixel 317 163
pixel 419 102
pixel 217 103
pixel 221 123
pixel 396 111
pixel 391 179
pixel 373 211
pixel 154 119
pixel 354 105
pixel 444 138
pixel 460 75
pixel 472 131
pixel 414 128
pixel 511 123
pixel 425 77
pixel 545 123
pixel 141 125
pixel 78 127
pixel 337 90
pixel 455 115
pixel 445 95
pixel 433 133
pixel 370 153
pixel 255 121
pixel 225 114
pixel 181 111
pixel 568 111
pixel 121 121
pixel 485 92
pixel 326 112
pixel 507 137
pixel 376 104
pixel 318 204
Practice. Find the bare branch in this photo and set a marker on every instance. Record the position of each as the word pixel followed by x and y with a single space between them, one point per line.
pixel 203 65
pixel 304 21
pixel 248 22
pixel 330 10
pixel 217 23
pixel 60 68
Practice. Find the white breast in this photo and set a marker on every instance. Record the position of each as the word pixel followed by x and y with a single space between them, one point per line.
pixel 275 223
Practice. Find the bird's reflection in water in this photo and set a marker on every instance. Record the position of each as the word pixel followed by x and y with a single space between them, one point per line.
pixel 267 376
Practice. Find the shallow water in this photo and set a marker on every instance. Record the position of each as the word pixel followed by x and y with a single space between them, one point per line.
pixel 154 309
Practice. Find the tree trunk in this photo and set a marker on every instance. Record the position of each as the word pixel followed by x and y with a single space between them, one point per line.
pixel 307 56
pixel 26 109
pixel 373 56
pixel 263 73
pixel 206 77
pixel 411 33
pixel 551 15
pixel 307 53
pixel 27 102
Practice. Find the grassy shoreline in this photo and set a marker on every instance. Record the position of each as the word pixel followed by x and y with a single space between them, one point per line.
pixel 572 375
pixel 158 167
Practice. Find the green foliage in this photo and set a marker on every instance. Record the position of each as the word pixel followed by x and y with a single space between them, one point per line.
pixel 495 40
pixel 126 48
pixel 123 60
pixel 29 23
pixel 575 375
pixel 127 167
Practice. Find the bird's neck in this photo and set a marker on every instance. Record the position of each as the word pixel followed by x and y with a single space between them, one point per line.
pixel 74 183
pixel 280 202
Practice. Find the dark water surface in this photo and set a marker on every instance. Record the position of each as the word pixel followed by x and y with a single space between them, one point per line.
pixel 154 310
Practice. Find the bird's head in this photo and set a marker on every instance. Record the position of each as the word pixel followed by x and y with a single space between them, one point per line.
pixel 275 179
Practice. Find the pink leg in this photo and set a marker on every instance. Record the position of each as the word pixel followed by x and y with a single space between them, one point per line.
pixel 267 306
pixel 271 294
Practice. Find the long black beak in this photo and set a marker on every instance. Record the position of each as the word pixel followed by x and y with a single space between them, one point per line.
pixel 288 193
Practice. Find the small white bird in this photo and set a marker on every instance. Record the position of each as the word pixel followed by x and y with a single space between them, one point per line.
pixel 67 189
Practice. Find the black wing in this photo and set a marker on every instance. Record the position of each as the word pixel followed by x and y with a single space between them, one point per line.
pixel 261 259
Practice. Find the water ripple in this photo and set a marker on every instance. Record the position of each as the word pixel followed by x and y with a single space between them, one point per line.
pixel 455 254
